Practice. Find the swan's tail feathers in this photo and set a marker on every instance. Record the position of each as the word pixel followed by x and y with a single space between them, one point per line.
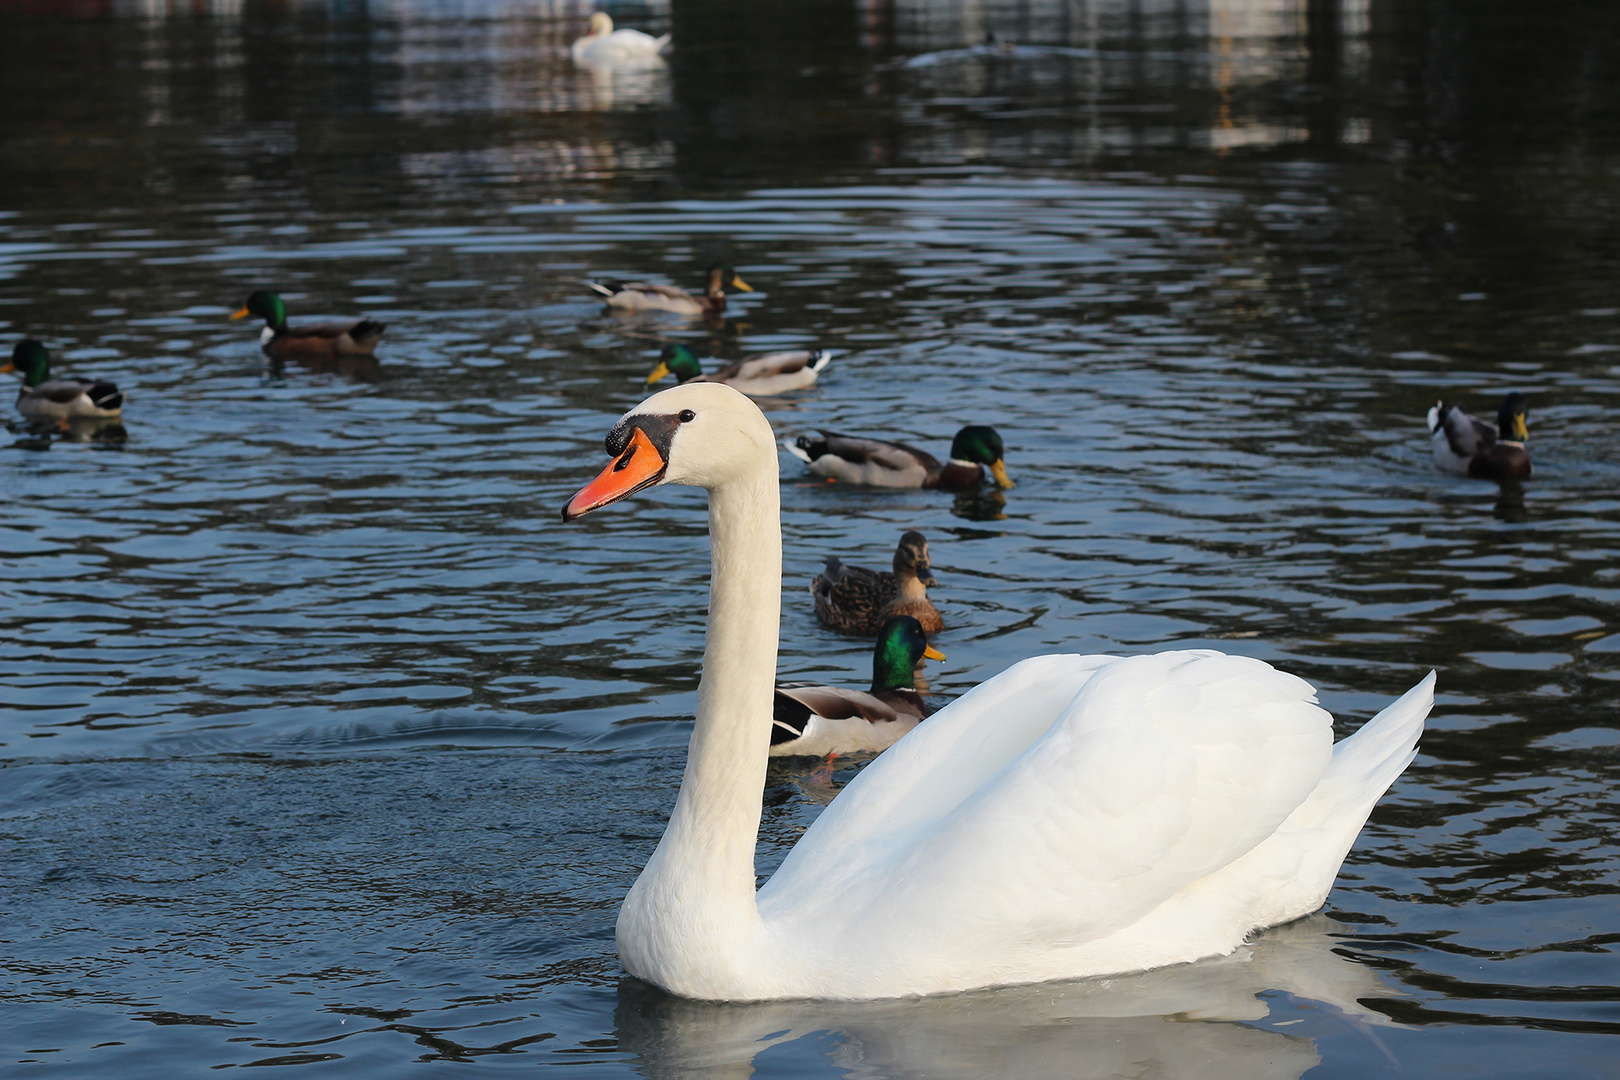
pixel 797 450
pixel 1367 763
pixel 1387 743
pixel 1296 867
pixel 819 359
pixel 660 43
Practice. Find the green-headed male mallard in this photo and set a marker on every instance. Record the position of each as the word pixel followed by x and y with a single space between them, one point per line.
pixel 880 463
pixel 1472 447
pixel 279 340
pixel 645 296
pixel 44 398
pixel 858 601
pixel 758 376
pixel 814 721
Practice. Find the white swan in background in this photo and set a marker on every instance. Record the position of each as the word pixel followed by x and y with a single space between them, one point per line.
pixel 607 47
pixel 1072 816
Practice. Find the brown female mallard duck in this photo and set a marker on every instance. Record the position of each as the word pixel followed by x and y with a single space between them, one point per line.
pixel 879 463
pixel 43 398
pixel 814 721
pixel 278 340
pixel 645 296
pixel 1472 447
pixel 858 601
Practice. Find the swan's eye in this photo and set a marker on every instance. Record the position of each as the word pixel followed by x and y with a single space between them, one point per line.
pixel 687 416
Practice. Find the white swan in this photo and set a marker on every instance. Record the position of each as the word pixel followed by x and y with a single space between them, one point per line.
pixel 1074 815
pixel 607 47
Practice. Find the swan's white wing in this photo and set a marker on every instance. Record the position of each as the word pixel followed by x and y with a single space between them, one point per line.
pixel 923 778
pixel 621 47
pixel 1058 803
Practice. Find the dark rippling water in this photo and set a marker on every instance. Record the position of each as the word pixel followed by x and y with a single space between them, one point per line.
pixel 325 743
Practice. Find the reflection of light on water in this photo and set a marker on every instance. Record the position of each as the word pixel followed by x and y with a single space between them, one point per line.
pixel 1190 1020
pixel 923 25
pixel 515 66
pixel 1235 135
pixel 543 158
pixel 991 54
pixel 158 9
pixel 573 11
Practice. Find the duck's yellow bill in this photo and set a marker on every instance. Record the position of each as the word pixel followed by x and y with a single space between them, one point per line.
pixel 739 283
pixel 639 466
pixel 998 469
pixel 658 373
pixel 241 313
pixel 9 367
pixel 1521 430
pixel 933 653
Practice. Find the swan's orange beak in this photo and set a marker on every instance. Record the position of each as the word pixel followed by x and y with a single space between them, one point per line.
pixel 639 466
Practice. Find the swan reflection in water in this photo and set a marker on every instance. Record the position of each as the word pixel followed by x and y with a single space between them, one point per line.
pixel 624 86
pixel 1188 1020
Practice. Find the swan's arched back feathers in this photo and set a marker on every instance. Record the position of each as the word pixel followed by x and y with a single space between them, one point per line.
pixel 926 775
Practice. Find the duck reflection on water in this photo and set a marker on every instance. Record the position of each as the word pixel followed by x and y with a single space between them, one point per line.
pixel 105 433
pixel 1189 1020
pixel 355 367
pixel 1510 502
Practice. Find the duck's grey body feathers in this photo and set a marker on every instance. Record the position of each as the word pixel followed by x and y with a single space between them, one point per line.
pixel 873 462
pixel 772 373
pixel 67 396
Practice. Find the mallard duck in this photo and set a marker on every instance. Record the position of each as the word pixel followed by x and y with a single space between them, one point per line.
pixel 607 47
pixel 43 398
pixel 1472 447
pixel 815 721
pixel 644 296
pixel 879 463
pixel 320 339
pixel 758 376
pixel 1073 816
pixel 857 600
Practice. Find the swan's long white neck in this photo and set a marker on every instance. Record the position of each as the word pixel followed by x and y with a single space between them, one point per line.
pixel 692 912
